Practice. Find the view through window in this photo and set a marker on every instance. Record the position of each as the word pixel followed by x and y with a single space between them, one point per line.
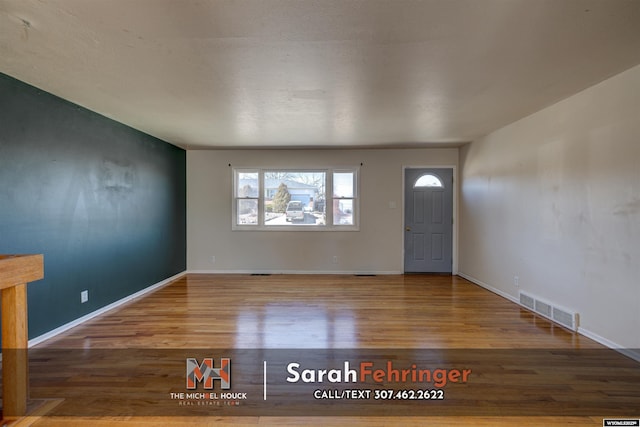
pixel 274 199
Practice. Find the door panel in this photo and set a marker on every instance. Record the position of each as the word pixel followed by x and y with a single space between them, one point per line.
pixel 418 244
pixel 437 214
pixel 437 246
pixel 428 221
pixel 418 208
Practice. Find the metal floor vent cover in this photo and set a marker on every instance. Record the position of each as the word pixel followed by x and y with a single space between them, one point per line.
pixel 561 316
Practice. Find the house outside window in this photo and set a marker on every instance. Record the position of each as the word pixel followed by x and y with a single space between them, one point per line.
pixel 277 199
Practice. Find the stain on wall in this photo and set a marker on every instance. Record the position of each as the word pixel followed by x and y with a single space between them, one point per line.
pixel 104 203
pixel 557 204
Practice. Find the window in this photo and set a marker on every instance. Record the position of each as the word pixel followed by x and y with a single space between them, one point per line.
pixel 428 180
pixel 295 199
pixel 343 197
pixel 247 192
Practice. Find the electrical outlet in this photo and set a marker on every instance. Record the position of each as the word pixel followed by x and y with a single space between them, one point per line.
pixel 335 259
pixel 516 281
pixel 213 259
pixel 84 296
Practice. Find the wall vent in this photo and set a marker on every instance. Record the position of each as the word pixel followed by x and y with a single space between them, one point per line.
pixel 527 301
pixel 543 308
pixel 563 317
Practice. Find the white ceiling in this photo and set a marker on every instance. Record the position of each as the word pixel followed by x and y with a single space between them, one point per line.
pixel 317 73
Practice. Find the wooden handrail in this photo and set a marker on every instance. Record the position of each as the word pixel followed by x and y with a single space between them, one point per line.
pixel 15 272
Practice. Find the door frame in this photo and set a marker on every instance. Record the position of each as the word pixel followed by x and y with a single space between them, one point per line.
pixel 454 235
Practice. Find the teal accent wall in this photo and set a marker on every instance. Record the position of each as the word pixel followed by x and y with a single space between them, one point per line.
pixel 104 203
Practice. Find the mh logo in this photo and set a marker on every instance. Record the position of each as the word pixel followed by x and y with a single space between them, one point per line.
pixel 206 373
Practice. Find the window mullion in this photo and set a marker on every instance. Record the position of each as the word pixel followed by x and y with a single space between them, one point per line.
pixel 328 200
pixel 261 192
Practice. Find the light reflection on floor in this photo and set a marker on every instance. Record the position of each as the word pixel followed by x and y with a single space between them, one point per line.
pixel 296 325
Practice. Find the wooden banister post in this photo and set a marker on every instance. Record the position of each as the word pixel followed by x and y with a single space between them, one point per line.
pixel 15 272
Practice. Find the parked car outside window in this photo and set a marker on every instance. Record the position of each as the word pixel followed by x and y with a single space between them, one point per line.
pixel 294 211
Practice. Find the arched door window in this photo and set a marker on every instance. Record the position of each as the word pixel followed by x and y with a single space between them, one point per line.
pixel 428 180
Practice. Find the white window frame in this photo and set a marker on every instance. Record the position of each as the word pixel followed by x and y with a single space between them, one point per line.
pixel 355 206
pixel 329 199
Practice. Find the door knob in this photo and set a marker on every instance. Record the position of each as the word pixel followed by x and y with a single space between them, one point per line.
pixel 408 228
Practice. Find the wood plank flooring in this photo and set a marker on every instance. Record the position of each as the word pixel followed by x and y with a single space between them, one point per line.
pixel 422 314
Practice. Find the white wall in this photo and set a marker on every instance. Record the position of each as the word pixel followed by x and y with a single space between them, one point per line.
pixel 376 248
pixel 555 199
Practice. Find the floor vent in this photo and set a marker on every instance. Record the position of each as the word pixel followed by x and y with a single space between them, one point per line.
pixel 563 317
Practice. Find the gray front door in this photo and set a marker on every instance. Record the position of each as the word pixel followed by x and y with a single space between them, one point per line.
pixel 428 220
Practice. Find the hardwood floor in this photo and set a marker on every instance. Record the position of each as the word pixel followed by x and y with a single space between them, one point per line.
pixel 526 371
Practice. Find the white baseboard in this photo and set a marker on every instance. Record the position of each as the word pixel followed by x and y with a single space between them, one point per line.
pixel 489 287
pixel 633 354
pixel 39 339
pixel 380 273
